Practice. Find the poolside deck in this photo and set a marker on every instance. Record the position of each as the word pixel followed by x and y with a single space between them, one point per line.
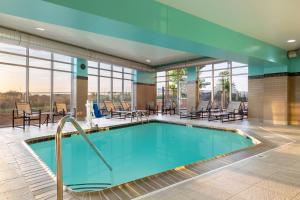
pixel 273 174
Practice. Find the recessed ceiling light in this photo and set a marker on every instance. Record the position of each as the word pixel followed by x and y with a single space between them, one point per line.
pixel 291 41
pixel 40 29
pixel 148 61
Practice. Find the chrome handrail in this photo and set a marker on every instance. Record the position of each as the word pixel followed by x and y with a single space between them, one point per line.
pixel 58 142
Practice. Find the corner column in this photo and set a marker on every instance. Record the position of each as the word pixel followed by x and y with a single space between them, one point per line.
pixel 145 89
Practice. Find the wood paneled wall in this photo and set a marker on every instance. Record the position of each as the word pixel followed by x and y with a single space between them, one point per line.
pixel 145 93
pixel 275 99
pixel 294 100
pixel 81 97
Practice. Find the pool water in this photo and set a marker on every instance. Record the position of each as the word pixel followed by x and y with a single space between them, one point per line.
pixel 135 152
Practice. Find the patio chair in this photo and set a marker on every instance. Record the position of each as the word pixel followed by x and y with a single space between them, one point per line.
pixel 24 111
pixel 169 106
pixel 125 106
pixel 152 108
pixel 203 109
pixel 245 108
pixel 185 113
pixel 231 113
pixel 60 109
pixel 97 111
pixel 113 112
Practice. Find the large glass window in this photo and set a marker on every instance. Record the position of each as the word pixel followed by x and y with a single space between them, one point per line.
pixel 62 87
pixel 43 68
pixel 105 89
pixel 13 88
pixel 205 82
pixel 39 89
pixel 239 82
pixel 219 82
pixel 115 83
pixel 161 81
pixel 226 80
pixel 92 88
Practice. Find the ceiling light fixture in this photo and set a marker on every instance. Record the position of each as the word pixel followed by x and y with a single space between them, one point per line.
pixel 291 41
pixel 40 29
pixel 148 61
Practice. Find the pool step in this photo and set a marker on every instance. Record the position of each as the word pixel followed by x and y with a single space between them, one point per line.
pixel 88 186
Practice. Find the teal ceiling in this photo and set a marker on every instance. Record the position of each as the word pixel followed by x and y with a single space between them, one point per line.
pixel 149 22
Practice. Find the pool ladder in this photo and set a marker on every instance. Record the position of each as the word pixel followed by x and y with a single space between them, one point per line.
pixel 58 143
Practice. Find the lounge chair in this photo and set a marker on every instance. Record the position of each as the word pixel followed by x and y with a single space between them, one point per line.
pixel 185 113
pixel 203 109
pixel 27 114
pixel 200 112
pixel 113 112
pixel 231 113
pixel 245 109
pixel 125 106
pixel 152 108
pixel 169 106
pixel 60 109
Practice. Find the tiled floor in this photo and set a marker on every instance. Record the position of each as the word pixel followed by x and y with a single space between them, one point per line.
pixel 271 175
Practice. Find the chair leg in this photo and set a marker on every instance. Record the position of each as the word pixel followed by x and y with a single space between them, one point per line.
pixel 13 119
pixel 24 121
pixel 40 118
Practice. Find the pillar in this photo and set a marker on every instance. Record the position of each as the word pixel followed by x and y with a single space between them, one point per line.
pixel 192 88
pixel 81 87
pixel 145 89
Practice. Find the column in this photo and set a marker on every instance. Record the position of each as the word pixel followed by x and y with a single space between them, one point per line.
pixel 144 89
pixel 81 87
pixel 192 88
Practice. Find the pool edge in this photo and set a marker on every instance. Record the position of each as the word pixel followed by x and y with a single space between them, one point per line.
pixel 177 174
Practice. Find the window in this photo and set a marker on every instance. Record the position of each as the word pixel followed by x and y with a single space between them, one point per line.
pixel 105 89
pixel 12 49
pixel 226 80
pixel 92 88
pixel 117 90
pixel 240 88
pixel 12 59
pixel 205 82
pixel 13 88
pixel 127 90
pixel 62 87
pixel 115 83
pixel 39 89
pixel 39 54
pixel 222 87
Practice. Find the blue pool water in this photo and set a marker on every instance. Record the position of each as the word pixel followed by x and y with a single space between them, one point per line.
pixel 137 151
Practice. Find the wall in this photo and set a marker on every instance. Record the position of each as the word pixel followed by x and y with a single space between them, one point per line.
pixel 294 91
pixel 274 93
